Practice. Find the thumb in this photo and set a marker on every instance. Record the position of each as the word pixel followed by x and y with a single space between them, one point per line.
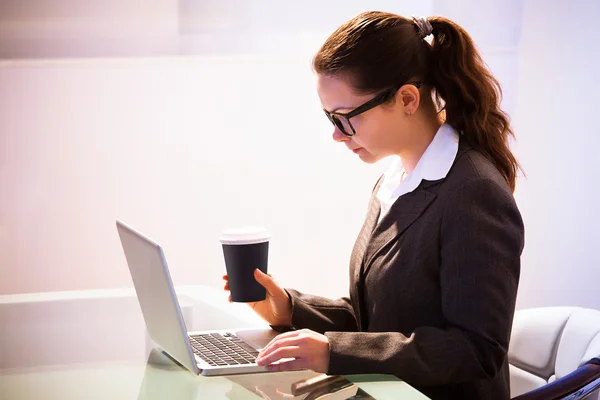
pixel 265 280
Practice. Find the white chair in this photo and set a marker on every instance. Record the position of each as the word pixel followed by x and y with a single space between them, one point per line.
pixel 554 353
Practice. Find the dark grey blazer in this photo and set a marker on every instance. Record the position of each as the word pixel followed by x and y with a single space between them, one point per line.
pixel 432 287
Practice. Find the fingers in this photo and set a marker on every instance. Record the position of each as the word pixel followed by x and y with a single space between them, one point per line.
pixel 229 299
pixel 284 339
pixel 292 365
pixel 302 349
pixel 278 354
pixel 273 350
pixel 266 281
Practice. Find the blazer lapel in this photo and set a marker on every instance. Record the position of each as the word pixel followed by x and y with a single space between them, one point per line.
pixel 374 237
pixel 362 241
pixel 358 254
pixel 401 215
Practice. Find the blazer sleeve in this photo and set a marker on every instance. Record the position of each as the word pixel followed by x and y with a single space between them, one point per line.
pixel 321 314
pixel 481 243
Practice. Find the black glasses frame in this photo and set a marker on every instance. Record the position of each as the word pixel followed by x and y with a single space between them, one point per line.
pixel 336 117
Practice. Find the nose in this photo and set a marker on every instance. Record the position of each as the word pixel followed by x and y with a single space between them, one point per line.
pixel 338 136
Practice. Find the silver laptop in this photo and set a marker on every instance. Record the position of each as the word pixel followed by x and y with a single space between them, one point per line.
pixel 207 352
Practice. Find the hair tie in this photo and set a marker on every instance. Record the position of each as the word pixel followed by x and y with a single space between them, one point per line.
pixel 423 25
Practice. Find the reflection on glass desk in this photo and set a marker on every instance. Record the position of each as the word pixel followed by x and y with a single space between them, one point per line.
pixel 160 378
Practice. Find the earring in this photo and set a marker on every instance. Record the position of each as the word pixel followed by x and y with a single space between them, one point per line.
pixel 408 112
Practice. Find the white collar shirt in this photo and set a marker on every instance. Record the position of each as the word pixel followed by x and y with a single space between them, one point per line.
pixel 433 165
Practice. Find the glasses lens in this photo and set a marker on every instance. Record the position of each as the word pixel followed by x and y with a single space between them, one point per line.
pixel 342 124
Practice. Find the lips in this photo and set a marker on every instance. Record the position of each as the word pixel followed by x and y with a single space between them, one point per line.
pixel 357 150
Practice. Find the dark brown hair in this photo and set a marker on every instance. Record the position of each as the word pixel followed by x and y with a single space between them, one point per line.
pixel 378 51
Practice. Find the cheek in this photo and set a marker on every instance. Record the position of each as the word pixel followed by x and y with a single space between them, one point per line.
pixel 370 131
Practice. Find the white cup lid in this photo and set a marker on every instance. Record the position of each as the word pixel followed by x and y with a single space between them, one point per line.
pixel 245 235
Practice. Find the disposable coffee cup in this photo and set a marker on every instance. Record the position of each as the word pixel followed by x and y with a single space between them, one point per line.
pixel 244 250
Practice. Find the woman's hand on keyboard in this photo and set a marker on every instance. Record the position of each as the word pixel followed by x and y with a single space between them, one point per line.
pixel 276 309
pixel 303 349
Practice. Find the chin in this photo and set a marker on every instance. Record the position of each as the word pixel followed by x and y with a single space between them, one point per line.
pixel 369 158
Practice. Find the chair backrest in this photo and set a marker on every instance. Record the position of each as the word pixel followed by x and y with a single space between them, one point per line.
pixel 549 343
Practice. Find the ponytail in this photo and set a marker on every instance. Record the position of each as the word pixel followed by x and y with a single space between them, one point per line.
pixel 470 95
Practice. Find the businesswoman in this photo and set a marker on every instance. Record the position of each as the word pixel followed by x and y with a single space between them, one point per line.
pixel 435 269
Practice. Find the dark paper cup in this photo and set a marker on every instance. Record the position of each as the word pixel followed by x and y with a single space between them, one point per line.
pixel 244 250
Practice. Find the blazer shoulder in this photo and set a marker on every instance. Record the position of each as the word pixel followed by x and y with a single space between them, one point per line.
pixel 471 165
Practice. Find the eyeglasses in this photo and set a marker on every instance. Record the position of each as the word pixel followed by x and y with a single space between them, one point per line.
pixel 342 120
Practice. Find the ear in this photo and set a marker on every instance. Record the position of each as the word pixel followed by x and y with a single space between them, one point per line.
pixel 409 98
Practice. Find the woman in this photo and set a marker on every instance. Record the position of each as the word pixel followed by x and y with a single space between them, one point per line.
pixel 435 269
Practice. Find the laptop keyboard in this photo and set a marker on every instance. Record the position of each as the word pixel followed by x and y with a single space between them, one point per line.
pixel 222 349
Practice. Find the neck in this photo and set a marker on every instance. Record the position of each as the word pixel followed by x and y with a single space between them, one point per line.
pixel 424 131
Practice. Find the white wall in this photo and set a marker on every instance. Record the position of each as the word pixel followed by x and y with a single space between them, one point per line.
pixel 558 143
pixel 87 28
pixel 182 146
pixel 180 149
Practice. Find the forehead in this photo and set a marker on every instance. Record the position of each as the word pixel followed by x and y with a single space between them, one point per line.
pixel 335 92
pixel 333 83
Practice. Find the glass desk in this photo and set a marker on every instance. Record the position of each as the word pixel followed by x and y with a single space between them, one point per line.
pixel 164 380
pixel 93 345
